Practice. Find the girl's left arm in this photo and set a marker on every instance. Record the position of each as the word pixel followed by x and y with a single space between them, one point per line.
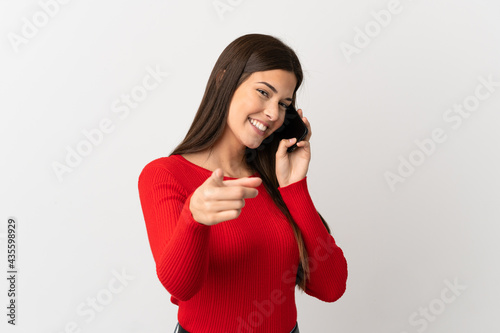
pixel 327 264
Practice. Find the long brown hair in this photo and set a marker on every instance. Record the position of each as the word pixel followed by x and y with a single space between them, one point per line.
pixel 244 56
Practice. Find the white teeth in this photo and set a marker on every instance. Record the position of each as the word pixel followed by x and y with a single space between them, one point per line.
pixel 258 125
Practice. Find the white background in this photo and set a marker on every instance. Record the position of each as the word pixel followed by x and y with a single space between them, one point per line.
pixel 403 244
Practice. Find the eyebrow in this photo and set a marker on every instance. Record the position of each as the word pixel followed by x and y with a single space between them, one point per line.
pixel 274 90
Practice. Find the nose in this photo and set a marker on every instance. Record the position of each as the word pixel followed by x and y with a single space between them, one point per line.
pixel 272 112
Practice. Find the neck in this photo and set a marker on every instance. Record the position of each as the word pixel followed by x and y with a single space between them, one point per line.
pixel 229 155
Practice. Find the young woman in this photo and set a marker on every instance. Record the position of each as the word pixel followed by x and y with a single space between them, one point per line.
pixel 229 218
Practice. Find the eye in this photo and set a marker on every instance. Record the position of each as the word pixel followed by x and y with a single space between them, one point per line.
pixel 263 92
pixel 284 105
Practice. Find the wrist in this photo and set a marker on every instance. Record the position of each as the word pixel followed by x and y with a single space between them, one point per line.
pixel 290 182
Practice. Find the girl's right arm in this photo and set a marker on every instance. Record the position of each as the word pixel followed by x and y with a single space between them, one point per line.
pixel 178 242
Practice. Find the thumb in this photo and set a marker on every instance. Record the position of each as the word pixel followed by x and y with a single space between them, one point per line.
pixel 217 176
pixel 283 146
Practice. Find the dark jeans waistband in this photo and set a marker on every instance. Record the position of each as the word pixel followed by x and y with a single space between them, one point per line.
pixel 179 329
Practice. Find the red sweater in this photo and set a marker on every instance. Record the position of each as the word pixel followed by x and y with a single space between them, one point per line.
pixel 238 275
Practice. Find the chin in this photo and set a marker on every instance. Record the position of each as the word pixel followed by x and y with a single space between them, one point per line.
pixel 253 146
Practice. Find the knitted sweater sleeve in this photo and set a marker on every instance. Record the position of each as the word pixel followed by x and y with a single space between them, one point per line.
pixel 177 241
pixel 328 266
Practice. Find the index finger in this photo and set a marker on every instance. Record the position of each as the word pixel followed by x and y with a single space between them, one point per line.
pixel 245 181
pixel 307 123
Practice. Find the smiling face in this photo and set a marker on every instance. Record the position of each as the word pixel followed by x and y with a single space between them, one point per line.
pixel 259 105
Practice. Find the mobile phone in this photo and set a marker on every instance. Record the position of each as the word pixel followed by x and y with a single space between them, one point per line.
pixel 293 127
